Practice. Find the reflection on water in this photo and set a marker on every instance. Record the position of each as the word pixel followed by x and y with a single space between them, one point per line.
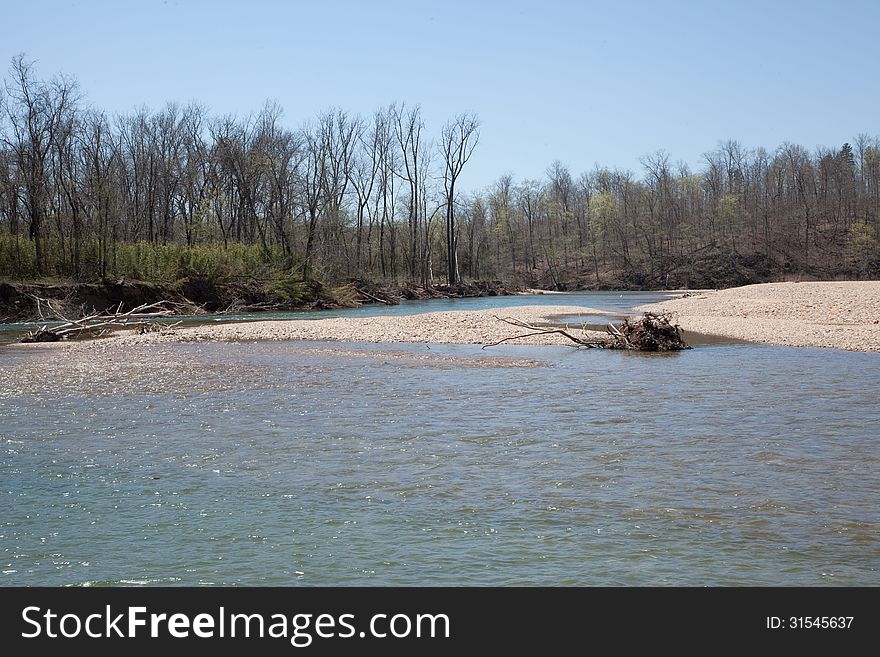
pixel 285 463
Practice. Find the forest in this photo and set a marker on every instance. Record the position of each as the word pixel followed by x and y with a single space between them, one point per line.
pixel 179 192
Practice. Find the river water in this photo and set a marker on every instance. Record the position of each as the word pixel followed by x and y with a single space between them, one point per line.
pixel 329 463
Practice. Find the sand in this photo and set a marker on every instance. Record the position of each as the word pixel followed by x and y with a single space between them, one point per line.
pixel 126 360
pixel 839 315
pixel 455 327
pixel 150 362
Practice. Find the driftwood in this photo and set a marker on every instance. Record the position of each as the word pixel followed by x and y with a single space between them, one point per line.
pixel 374 298
pixel 97 323
pixel 543 330
pixel 650 333
pixel 238 307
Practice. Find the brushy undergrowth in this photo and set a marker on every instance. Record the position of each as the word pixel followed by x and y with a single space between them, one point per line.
pixel 157 263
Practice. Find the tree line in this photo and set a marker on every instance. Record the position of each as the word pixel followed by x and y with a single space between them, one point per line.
pixel 162 194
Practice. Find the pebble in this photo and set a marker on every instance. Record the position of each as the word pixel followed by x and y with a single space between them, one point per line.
pixel 838 314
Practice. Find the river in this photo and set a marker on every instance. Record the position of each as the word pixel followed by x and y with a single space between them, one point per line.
pixel 350 464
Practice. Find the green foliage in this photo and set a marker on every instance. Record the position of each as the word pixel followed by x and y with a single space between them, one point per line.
pixel 344 295
pixel 502 220
pixel 290 288
pixel 602 208
pixel 732 219
pixel 691 185
pixel 730 210
pixel 864 248
pixel 846 157
pixel 18 257
pixel 157 263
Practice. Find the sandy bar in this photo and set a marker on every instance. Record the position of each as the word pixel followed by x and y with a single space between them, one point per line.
pixel 535 290
pixel 126 361
pixel 840 315
pixel 454 327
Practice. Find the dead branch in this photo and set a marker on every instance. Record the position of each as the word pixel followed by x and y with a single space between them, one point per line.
pixel 373 297
pixel 237 307
pixel 98 323
pixel 538 330
pixel 650 333
pixel 156 327
pixel 618 337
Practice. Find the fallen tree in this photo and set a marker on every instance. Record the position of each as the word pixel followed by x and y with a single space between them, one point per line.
pixel 651 332
pixel 97 324
pixel 543 330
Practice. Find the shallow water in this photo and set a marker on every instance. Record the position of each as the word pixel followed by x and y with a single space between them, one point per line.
pixel 327 463
pixel 615 302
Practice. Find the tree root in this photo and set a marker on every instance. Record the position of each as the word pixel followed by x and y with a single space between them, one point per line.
pixel 650 333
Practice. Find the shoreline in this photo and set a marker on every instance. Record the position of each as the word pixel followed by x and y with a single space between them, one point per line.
pixel 197 296
pixel 835 315
pixel 17 304
pixel 454 327
pixel 839 315
pixel 445 327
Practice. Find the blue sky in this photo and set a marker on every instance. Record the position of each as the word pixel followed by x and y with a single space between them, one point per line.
pixel 582 82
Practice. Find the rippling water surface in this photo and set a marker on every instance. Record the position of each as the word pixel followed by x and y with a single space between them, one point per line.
pixel 326 463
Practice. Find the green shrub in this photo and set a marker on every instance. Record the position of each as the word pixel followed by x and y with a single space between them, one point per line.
pixel 291 289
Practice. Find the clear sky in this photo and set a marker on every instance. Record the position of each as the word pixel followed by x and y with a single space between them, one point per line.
pixel 582 82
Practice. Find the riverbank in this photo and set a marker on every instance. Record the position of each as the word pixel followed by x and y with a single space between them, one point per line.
pixel 839 315
pixel 448 327
pixel 195 295
pixel 452 327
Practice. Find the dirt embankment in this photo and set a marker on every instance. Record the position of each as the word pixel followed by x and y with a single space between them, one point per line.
pixel 17 302
pixel 196 295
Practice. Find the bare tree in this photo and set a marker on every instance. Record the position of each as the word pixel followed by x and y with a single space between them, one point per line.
pixel 36 112
pixel 457 143
pixel 173 193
